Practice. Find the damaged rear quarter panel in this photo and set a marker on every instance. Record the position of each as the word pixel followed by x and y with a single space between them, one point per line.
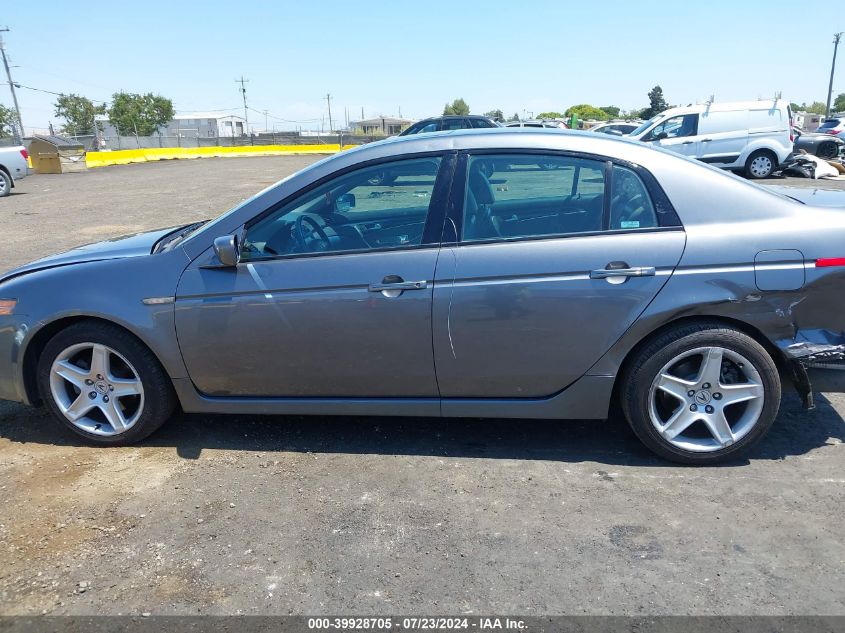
pixel 716 278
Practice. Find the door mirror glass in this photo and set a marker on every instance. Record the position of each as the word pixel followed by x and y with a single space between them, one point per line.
pixel 226 249
pixel 660 136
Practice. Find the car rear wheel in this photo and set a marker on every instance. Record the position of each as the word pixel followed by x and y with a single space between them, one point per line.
pixel 701 394
pixel 760 164
pixel 104 384
pixel 5 184
pixel 827 151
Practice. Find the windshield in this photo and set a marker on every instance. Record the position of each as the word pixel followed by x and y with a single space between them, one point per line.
pixel 829 123
pixel 644 126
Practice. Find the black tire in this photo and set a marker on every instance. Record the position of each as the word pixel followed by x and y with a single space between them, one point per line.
pixel 5 183
pixel 643 369
pixel 159 400
pixel 754 170
pixel 827 151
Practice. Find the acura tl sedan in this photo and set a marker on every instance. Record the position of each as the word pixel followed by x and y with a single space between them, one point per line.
pixel 625 278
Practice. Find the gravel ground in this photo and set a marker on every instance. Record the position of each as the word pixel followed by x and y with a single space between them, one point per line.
pixel 279 515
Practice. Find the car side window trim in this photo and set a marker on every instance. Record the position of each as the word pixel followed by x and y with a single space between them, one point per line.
pixel 434 220
pixel 453 227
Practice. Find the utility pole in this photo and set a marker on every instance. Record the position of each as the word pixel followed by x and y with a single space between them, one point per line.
pixel 11 86
pixel 329 102
pixel 265 120
pixel 836 37
pixel 243 81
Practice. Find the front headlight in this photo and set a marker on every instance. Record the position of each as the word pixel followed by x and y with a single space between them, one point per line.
pixel 7 306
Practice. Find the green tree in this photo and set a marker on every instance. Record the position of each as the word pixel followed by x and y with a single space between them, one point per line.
pixel 795 107
pixel 458 106
pixel 550 115
pixel 78 113
pixel 496 115
pixel 586 112
pixel 8 119
pixel 657 103
pixel 816 107
pixel 611 111
pixel 515 117
pixel 142 113
pixel 839 103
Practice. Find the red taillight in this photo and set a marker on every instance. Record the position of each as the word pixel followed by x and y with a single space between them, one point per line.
pixel 835 131
pixel 25 154
pixel 827 262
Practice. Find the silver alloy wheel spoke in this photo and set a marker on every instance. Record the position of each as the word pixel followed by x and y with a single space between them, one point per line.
pixel 678 423
pixel 675 386
pixel 100 363
pixel 93 398
pixel 125 387
pixel 82 405
pixel 73 374
pixel 720 428
pixel 711 366
pixel 734 394
pixel 114 415
pixel 700 413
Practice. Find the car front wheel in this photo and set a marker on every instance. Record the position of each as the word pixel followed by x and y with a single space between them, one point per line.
pixel 104 384
pixel 701 394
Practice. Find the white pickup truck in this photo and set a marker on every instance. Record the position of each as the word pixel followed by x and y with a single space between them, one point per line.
pixel 13 166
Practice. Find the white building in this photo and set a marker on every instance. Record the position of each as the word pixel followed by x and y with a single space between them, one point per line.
pixel 205 125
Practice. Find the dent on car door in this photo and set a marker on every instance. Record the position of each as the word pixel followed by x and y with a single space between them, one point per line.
pixel 332 297
pixel 547 269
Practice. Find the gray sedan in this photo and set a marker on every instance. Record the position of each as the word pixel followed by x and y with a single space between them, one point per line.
pixel 624 278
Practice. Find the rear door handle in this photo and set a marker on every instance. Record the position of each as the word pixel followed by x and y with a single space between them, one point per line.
pixel 641 271
pixel 706 140
pixel 687 142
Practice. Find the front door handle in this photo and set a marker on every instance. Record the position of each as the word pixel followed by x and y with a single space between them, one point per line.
pixel 641 271
pixel 394 285
pixel 687 142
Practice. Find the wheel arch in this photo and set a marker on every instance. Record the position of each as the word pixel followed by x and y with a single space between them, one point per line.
pixel 39 340
pixel 746 328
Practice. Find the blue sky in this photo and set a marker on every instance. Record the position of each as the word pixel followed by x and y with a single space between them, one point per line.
pixel 415 56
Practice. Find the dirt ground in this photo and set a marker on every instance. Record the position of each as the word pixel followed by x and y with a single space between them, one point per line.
pixel 279 515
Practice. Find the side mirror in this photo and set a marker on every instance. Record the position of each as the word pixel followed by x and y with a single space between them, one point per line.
pixel 227 250
pixel 345 202
pixel 615 132
pixel 660 136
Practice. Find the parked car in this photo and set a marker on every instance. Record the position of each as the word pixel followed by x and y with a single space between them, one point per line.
pixel 833 126
pixel 819 144
pixel 13 167
pixel 616 128
pixel 450 122
pixel 752 136
pixel 538 123
pixel 686 296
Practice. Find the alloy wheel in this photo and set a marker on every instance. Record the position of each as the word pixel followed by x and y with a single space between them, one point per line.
pixel 706 399
pixel 97 389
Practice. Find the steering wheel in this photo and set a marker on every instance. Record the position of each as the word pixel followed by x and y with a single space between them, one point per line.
pixel 306 236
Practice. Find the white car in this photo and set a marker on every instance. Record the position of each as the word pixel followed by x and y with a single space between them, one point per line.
pixel 616 128
pixel 13 166
pixel 753 136
pixel 833 126
pixel 544 123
